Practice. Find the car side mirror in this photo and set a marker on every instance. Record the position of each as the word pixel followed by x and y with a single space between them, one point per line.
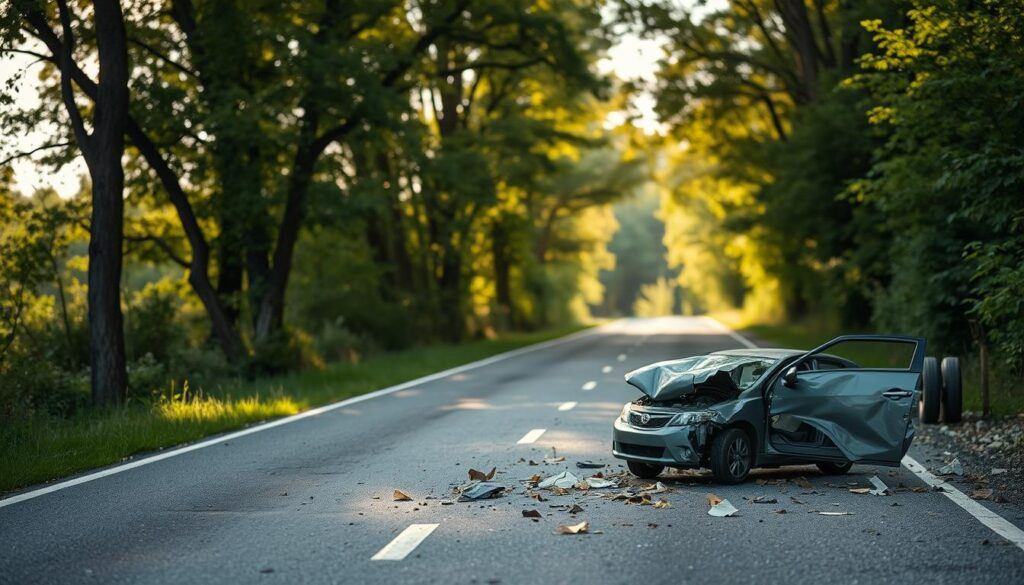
pixel 789 377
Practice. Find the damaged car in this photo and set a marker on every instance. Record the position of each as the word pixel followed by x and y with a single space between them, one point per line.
pixel 847 401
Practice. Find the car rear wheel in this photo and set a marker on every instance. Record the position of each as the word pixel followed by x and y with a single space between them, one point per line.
pixel 931 392
pixel 731 456
pixel 645 470
pixel 952 390
pixel 829 468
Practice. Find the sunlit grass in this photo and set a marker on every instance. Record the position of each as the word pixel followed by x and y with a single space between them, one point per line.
pixel 42 448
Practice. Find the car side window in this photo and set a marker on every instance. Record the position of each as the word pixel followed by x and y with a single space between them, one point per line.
pixel 828 364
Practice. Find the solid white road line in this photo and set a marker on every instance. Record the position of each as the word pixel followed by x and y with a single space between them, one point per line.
pixel 606 370
pixel 567 406
pixel 531 437
pixel 590 386
pixel 997 523
pixel 404 543
pixel 728 331
pixel 312 412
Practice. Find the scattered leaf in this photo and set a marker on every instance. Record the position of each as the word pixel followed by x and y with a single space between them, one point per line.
pixel 982 494
pixel 860 490
pixel 554 459
pixel 575 509
pixel 481 476
pixel 401 497
pixel 803 483
pixel 764 500
pixel 713 500
pixel 662 504
pixel 920 489
pixel 531 514
pixel 581 528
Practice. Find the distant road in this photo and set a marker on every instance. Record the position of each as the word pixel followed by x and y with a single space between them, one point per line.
pixel 310 501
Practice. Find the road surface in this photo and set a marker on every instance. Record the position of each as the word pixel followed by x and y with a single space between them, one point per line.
pixel 310 501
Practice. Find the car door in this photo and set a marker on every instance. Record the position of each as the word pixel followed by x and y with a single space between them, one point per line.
pixel 864 408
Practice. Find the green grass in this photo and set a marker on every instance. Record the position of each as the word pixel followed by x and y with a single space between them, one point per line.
pixel 43 448
pixel 1006 390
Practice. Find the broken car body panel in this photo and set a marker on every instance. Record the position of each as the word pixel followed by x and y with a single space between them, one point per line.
pixel 828 409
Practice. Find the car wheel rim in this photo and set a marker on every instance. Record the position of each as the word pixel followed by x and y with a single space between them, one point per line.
pixel 739 457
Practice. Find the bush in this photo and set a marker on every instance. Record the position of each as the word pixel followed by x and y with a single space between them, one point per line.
pixel 284 351
pixel 336 343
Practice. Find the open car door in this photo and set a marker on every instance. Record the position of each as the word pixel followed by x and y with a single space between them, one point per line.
pixel 849 398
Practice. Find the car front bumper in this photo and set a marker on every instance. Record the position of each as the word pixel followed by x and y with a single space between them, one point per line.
pixel 679 446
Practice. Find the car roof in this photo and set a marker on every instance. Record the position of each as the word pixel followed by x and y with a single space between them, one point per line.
pixel 777 353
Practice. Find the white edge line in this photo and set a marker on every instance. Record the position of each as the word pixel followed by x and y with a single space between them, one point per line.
pixel 567 406
pixel 997 523
pixel 531 437
pixel 404 543
pixel 728 331
pixel 295 417
pixel 589 386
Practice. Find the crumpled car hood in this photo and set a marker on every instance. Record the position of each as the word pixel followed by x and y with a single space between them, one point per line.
pixel 671 379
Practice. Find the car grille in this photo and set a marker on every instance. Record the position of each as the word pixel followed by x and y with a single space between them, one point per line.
pixel 640 450
pixel 655 421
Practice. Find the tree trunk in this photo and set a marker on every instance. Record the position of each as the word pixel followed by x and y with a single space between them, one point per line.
pixel 502 280
pixel 103 150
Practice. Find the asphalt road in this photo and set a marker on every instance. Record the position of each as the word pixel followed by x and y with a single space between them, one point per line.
pixel 311 501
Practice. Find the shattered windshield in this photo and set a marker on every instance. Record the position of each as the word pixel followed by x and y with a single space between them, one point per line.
pixel 743 369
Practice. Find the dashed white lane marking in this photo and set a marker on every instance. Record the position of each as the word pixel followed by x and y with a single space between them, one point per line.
pixel 531 437
pixel 567 406
pixel 606 370
pixel 296 417
pixel 726 330
pixel 404 543
pixel 997 523
pixel 622 357
pixel 590 386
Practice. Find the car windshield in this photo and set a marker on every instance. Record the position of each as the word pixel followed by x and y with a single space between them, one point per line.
pixel 744 370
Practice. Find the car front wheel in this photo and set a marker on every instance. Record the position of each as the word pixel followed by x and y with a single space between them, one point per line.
pixel 731 456
pixel 644 470
pixel 835 468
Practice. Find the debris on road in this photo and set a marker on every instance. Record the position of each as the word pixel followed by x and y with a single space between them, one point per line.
pixel 532 514
pixel 550 460
pixel 581 528
pixel 835 513
pixel 575 509
pixel 880 488
pixel 997 471
pixel 861 490
pixel 479 490
pixel 481 476
pixel 600 482
pixel 662 504
pixel 952 468
pixel 564 480
pixel 721 508
pixel 764 500
pixel 589 465
pixel 401 497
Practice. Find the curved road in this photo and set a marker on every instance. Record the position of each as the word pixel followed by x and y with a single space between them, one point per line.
pixel 310 501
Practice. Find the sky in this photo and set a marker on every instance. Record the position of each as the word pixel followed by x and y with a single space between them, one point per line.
pixel 631 59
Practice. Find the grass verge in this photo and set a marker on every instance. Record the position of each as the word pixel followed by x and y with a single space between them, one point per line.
pixel 43 448
pixel 1006 390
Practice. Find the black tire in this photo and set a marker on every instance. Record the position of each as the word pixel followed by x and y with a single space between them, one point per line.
pixel 829 468
pixel 931 392
pixel 644 470
pixel 731 456
pixel 952 391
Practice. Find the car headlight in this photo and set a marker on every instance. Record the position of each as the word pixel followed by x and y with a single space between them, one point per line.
pixel 691 418
pixel 624 415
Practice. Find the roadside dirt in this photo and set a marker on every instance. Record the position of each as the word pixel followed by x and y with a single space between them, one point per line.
pixel 985 448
